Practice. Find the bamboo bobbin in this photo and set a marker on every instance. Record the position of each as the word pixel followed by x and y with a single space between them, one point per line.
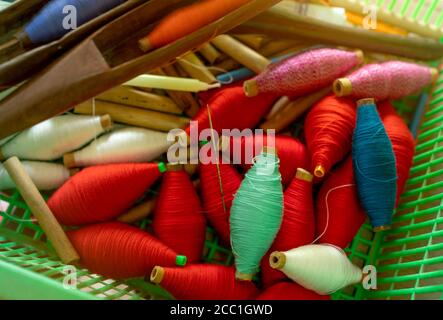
pixel 269 150
pixel 365 101
pixel 304 175
pixel 41 211
pixel 319 171
pixel 157 275
pixel 196 68
pixel 172 167
pixel 210 53
pixel 251 88
pixel 277 260
pixel 138 213
pixel 342 87
pixel 145 45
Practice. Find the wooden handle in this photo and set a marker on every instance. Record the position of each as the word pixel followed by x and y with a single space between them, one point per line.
pixel 41 211
pixel 134 116
pixel 241 53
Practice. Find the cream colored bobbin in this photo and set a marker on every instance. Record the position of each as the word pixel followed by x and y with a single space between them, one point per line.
pixel 145 45
pixel 174 167
pixel 157 275
pixel 382 228
pixel 243 276
pixel 319 171
pixel 365 101
pixel 106 122
pixel 360 56
pixel 251 88
pixel 69 160
pixel 342 87
pixel 269 150
pixel 303 174
pixel 277 260
pixel 435 74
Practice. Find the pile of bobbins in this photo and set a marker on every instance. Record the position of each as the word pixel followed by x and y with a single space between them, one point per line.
pixel 224 62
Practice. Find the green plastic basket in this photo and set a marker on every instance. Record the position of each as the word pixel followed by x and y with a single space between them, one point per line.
pixel 408 258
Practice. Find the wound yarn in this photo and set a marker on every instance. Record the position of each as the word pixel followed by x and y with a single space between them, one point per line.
pixel 230 109
pixel 392 79
pixel 186 20
pixel 45 175
pixel 50 139
pixel 48 24
pixel 403 143
pixel 120 146
pixel 298 225
pixel 292 153
pixel 329 127
pixel 322 268
pixel 290 291
pixel 339 214
pixel 203 282
pixel 374 166
pixel 178 219
pixel 101 193
pixel 217 202
pixel 121 251
pixel 303 73
pixel 256 214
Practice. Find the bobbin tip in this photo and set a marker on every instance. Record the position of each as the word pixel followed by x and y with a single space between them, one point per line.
pixel 304 175
pixel 342 87
pixel 319 171
pixel 243 276
pixel 170 167
pixel 269 150
pixel 381 228
pixel 145 45
pixel 277 260
pixel 181 260
pixel 73 171
pixel 106 122
pixel 251 88
pixel 360 56
pixel 157 275
pixel 434 74
pixel 69 160
pixel 365 101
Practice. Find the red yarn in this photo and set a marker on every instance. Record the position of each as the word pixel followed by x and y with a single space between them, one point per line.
pixel 297 228
pixel 178 220
pixel 120 251
pixel 329 127
pixel 402 141
pixel 213 198
pixel 291 152
pixel 206 282
pixel 290 291
pixel 346 215
pixel 231 109
pixel 101 193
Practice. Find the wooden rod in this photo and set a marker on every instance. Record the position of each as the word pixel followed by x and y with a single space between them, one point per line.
pixel 137 98
pixel 41 211
pixel 134 116
pixel 196 68
pixel 241 53
pixel 138 213
pixel 210 53
pixel 254 41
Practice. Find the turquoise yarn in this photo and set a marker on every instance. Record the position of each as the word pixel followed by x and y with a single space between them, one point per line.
pixel 256 214
pixel 374 166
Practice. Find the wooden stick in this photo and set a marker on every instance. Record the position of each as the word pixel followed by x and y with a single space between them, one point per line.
pixel 275 47
pixel 134 116
pixel 137 98
pixel 210 53
pixel 196 68
pixel 241 53
pixel 185 100
pixel 254 41
pixel 41 211
pixel 138 213
pixel 278 106
pixel 294 110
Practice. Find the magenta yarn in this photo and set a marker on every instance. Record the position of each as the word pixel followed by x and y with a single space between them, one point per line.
pixel 393 80
pixel 306 72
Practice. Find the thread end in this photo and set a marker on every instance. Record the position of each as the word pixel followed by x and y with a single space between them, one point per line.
pixel 106 122
pixel 145 45
pixel 319 171
pixel 181 260
pixel 250 87
pixel 382 228
pixel 277 260
pixel 342 87
pixel 304 175
pixel 366 101
pixel 157 275
pixel 243 276
pixel 69 160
